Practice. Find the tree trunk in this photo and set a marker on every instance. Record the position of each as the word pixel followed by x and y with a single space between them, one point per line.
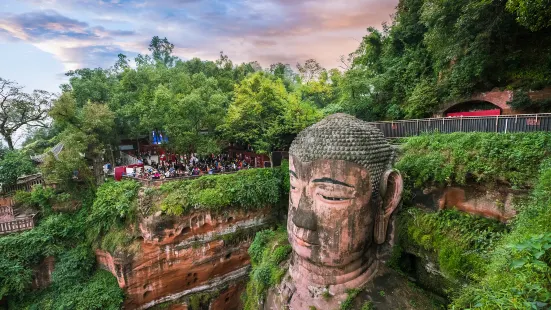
pixel 98 169
pixel 9 140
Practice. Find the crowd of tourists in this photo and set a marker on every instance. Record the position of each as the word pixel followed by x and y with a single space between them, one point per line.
pixel 172 165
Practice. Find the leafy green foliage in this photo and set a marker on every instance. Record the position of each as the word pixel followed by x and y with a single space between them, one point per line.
pixel 99 290
pixel 521 101
pixel 75 283
pixel 246 189
pixel 518 272
pixel 264 114
pixel 533 14
pixel 444 51
pixel 40 199
pixel 484 157
pixel 348 303
pixel 268 250
pixel 461 242
pixel 22 251
pixel 114 210
pixel 13 165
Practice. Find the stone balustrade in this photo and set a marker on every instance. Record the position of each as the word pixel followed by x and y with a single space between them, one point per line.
pixel 27 186
pixel 6 213
pixel 18 224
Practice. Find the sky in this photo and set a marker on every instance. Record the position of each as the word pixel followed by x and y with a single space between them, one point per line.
pixel 40 40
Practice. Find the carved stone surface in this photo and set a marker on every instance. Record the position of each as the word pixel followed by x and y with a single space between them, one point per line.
pixel 343 194
pixel 186 255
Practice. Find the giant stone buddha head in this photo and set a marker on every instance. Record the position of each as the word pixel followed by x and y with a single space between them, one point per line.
pixel 343 192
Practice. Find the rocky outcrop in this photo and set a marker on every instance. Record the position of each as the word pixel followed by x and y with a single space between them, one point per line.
pixel 496 203
pixel 179 257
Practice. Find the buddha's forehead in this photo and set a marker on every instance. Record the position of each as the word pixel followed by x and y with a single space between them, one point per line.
pixel 333 168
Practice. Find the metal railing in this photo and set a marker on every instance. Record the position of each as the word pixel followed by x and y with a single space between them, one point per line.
pixel 500 123
pixel 16 225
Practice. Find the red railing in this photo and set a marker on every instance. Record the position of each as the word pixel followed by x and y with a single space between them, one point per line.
pixel 17 225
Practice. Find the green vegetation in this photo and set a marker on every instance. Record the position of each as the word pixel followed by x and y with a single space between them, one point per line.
pixel 460 242
pixel 432 52
pixel 517 273
pixel 348 303
pixel 76 284
pixel 368 305
pixel 521 101
pixel 39 199
pixel 268 250
pixel 14 164
pixel 441 51
pixel 246 189
pixel 488 158
pixel 493 266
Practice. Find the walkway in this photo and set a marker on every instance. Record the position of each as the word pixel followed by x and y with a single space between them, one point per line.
pixel 501 123
pixel 11 220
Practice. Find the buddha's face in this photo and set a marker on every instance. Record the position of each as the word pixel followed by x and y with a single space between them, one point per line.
pixel 330 218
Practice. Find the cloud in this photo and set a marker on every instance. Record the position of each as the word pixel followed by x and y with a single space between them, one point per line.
pixel 269 31
pixel 45 25
pixel 73 42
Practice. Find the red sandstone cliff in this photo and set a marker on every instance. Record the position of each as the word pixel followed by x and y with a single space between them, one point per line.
pixel 178 257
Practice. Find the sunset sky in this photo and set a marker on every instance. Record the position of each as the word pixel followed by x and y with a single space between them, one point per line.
pixel 40 40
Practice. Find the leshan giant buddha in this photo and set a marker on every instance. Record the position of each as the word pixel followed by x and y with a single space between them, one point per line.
pixel 343 193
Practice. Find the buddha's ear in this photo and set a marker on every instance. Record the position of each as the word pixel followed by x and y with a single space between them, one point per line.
pixel 391 189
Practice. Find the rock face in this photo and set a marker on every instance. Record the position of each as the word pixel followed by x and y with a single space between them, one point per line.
pixel 179 257
pixel 493 203
pixel 42 274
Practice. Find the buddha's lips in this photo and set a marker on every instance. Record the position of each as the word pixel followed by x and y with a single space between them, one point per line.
pixel 301 241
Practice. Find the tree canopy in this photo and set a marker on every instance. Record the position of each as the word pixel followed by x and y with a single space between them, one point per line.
pixel 432 52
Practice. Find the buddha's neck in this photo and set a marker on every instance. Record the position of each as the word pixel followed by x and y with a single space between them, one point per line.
pixel 337 279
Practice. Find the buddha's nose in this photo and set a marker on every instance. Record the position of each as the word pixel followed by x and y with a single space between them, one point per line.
pixel 304 217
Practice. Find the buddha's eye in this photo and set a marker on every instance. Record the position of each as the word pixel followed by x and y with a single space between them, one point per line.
pixel 333 198
pixel 292 187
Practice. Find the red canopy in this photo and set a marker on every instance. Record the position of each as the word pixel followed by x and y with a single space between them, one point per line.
pixel 493 112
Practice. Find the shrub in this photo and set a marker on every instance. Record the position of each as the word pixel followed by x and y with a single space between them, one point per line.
pixel 518 272
pixel 115 207
pixel 461 242
pixel 488 158
pixel 246 189
pixel 268 250
pixel 13 165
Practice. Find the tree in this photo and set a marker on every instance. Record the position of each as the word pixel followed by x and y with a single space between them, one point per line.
pixel 264 115
pixel 161 50
pixel 95 85
pixel 310 71
pixel 19 109
pixel 87 131
pixel 13 165
pixel 533 14
pixel 121 64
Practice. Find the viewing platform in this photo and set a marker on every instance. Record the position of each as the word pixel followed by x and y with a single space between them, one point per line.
pixel 10 220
